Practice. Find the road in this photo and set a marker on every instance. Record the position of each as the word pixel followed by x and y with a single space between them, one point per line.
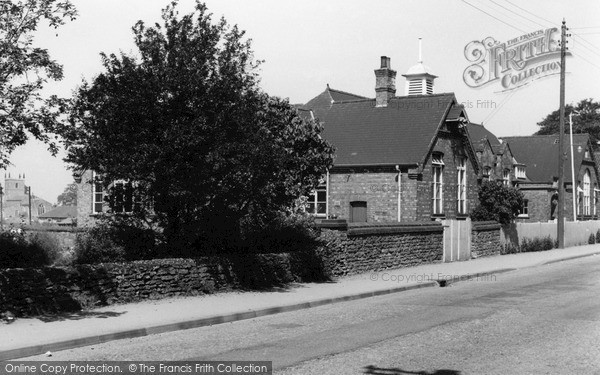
pixel 541 320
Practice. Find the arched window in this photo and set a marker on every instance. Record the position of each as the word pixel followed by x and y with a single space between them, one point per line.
pixel 41 209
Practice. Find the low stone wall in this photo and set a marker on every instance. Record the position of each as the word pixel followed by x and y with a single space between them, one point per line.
pixel 349 249
pixel 29 291
pixel 485 239
pixel 373 247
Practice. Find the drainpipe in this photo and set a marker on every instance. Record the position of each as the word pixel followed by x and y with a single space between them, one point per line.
pixel 327 195
pixel 399 193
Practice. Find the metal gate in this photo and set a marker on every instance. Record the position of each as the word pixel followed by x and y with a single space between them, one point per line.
pixel 457 240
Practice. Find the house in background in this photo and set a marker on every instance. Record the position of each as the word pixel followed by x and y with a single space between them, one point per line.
pixel 540 189
pixel 406 158
pixel 16 199
pixel 61 215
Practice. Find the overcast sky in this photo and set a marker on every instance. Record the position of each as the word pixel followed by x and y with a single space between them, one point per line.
pixel 311 43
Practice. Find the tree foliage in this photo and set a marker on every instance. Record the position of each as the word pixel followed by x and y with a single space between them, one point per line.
pixel 586 119
pixel 212 156
pixel 69 196
pixel 497 202
pixel 24 69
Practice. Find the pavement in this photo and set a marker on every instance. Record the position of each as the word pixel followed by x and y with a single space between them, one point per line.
pixel 28 337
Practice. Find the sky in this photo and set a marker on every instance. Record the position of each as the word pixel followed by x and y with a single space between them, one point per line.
pixel 308 44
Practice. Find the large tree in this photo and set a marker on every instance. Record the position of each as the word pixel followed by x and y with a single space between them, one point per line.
pixel 209 153
pixel 69 196
pixel 586 119
pixel 24 69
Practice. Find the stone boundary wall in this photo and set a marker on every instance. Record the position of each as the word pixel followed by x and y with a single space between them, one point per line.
pixel 485 238
pixel 351 249
pixel 37 291
pixel 373 247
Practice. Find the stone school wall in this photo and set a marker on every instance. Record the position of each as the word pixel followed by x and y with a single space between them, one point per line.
pixel 485 239
pixel 343 251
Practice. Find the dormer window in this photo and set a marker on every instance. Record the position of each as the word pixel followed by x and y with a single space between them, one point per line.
pixel 520 172
pixel 487 171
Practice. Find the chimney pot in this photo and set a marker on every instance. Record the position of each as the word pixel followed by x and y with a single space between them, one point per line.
pixel 385 62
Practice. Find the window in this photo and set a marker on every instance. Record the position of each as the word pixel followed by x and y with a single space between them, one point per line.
pixel 461 199
pixel 317 201
pixel 487 171
pixel 520 171
pixel 97 194
pixel 595 200
pixel 121 199
pixel 41 209
pixel 437 166
pixel 587 194
pixel 506 177
pixel 524 211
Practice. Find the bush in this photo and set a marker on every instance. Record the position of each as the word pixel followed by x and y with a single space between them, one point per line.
pixel 48 244
pixel 592 239
pixel 286 232
pixel 17 252
pixel 509 249
pixel 107 243
pixel 598 236
pixel 537 244
pixel 497 203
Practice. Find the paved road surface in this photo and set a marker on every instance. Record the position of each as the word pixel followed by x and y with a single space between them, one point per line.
pixel 542 320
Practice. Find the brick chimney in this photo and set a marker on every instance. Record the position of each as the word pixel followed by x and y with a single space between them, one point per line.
pixel 385 83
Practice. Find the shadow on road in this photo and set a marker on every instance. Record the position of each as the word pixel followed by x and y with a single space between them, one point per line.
pixel 374 370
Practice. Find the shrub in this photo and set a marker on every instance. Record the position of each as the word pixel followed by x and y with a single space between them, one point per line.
pixel 107 243
pixel 48 244
pixel 498 203
pixel 598 236
pixel 537 244
pixel 17 252
pixel 286 232
pixel 96 246
pixel 509 249
pixel 592 239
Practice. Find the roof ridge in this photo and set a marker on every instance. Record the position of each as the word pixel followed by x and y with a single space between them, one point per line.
pixel 425 95
pixel 346 92
pixel 353 101
pixel 543 135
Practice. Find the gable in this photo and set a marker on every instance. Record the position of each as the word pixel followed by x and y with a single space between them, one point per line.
pixel 540 155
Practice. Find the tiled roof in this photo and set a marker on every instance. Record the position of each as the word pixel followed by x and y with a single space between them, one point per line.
pixel 322 102
pixel 479 132
pixel 400 133
pixel 540 154
pixel 60 212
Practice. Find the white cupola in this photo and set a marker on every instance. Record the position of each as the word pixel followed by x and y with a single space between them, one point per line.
pixel 419 78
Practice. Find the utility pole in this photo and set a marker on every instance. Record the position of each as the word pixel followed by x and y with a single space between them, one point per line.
pixel 29 193
pixel 573 169
pixel 561 144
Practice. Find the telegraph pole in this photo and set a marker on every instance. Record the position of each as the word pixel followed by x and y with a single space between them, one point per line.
pixel 561 144
pixel 29 193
